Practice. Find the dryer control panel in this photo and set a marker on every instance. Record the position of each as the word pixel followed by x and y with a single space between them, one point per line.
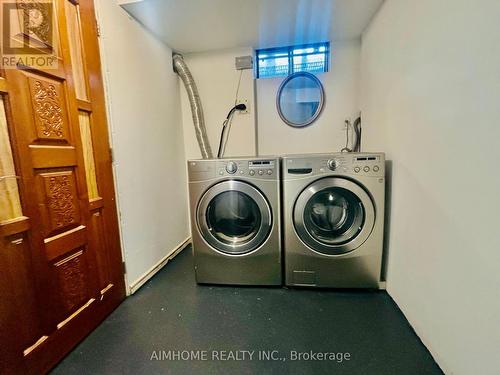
pixel 260 168
pixel 356 164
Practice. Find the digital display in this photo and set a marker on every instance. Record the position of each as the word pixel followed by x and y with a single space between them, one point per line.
pixel 261 163
pixel 366 158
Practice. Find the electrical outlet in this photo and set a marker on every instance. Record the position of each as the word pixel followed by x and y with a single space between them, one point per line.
pixel 244 101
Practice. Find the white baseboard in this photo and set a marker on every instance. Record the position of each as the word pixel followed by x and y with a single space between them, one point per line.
pixel 134 287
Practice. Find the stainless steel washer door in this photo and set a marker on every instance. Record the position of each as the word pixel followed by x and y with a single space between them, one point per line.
pixel 234 217
pixel 333 216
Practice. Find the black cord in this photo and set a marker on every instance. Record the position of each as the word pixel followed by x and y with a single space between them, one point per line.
pixel 357 130
pixel 238 107
pixel 221 138
pixel 223 132
pixel 347 126
pixel 222 144
pixel 359 142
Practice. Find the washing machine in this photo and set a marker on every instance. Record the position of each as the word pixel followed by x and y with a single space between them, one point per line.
pixel 333 216
pixel 235 220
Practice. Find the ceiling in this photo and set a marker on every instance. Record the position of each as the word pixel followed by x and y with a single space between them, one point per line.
pixel 204 25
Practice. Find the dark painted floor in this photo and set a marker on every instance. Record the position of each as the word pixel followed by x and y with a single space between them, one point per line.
pixel 172 313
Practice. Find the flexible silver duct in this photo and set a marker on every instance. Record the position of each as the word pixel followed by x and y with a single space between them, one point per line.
pixel 182 70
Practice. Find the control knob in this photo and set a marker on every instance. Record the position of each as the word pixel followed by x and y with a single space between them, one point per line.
pixel 333 164
pixel 231 167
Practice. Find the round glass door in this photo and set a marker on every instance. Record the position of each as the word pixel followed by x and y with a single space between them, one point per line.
pixel 334 216
pixel 234 217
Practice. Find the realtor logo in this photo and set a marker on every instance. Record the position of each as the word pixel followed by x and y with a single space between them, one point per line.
pixel 28 34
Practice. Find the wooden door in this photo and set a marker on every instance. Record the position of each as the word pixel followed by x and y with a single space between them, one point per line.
pixel 60 250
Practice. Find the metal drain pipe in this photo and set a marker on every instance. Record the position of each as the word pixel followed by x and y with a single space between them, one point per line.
pixel 182 70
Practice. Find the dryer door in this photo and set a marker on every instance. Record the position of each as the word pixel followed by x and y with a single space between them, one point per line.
pixel 234 217
pixel 334 216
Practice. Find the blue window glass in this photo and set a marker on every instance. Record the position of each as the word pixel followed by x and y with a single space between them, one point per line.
pixel 282 61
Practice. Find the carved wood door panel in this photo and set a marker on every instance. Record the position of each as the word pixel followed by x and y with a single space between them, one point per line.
pixel 70 265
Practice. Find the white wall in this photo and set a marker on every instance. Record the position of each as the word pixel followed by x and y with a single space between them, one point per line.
pixel 217 79
pixel 431 89
pixel 143 105
pixel 327 133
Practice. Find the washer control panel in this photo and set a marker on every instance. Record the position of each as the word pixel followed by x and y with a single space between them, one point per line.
pixel 361 164
pixel 333 164
pixel 369 164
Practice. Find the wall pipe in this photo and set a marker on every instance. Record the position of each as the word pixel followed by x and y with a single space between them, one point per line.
pixel 182 70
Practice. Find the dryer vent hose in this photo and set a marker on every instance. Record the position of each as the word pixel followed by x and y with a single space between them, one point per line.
pixel 182 70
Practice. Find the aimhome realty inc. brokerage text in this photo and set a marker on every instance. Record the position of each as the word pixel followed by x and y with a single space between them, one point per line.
pixel 247 355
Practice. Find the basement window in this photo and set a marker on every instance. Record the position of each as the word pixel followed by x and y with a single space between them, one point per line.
pixel 283 61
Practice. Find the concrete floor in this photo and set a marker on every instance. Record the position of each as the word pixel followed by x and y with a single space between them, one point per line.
pixel 171 313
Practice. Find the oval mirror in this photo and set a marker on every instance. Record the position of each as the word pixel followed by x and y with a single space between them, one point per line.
pixel 300 99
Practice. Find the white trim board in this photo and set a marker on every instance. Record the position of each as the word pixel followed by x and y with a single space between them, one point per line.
pixel 134 287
